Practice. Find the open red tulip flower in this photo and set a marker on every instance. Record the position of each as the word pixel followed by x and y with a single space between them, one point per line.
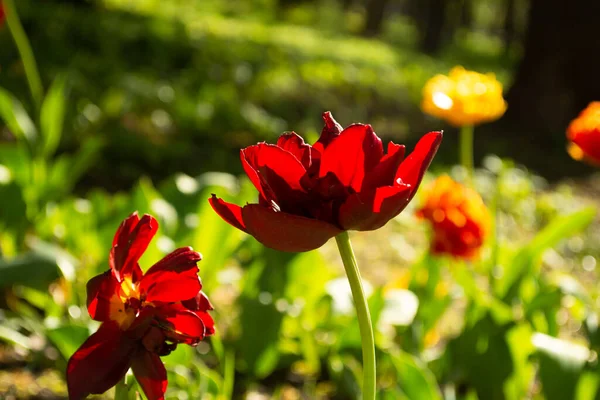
pixel 345 181
pixel 144 315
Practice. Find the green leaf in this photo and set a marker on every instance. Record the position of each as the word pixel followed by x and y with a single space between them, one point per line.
pixel 66 263
pixel 528 256
pixel 484 343
pixel 13 210
pixel 415 380
pixel 587 388
pixel 213 237
pixel 561 365
pixel 12 336
pixel 260 317
pixel 52 116
pixel 68 338
pixel 182 355
pixel 16 118
pixel 66 170
pixel 346 372
pixel 30 269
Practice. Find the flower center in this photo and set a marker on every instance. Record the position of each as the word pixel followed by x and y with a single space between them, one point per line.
pixel 127 303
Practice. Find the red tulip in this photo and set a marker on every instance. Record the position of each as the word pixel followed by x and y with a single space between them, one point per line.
pixel 2 14
pixel 144 316
pixel 308 194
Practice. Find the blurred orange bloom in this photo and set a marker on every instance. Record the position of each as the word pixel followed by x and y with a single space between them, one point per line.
pixel 584 135
pixel 459 218
pixel 464 97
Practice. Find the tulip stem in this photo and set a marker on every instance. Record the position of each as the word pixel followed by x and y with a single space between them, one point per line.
pixel 121 390
pixel 124 389
pixel 24 48
pixel 466 151
pixel 362 311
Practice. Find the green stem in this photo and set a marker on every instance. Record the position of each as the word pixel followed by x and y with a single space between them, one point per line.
pixel 362 311
pixel 466 151
pixel 121 389
pixel 20 38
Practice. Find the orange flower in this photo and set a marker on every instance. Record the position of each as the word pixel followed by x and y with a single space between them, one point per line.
pixel 459 218
pixel 584 135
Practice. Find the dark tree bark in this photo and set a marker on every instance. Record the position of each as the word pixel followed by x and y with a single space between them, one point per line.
pixel 433 25
pixel 558 75
pixel 375 14
pixel 508 30
pixel 466 14
pixel 347 4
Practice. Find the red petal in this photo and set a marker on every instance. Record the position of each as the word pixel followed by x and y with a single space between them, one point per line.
pixel 150 373
pixel 278 172
pixel 207 320
pixel 231 213
pixel 286 232
pixel 294 144
pixel 101 291
pixel 330 131
pixel 130 242
pixel 183 325
pixel 125 229
pixel 199 306
pixel 372 210
pixel 100 362
pixel 198 303
pixel 413 168
pixel 384 172
pixel 174 278
pixel 349 156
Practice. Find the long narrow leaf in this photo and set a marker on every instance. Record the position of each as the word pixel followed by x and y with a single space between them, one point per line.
pixel 16 118
pixel 52 116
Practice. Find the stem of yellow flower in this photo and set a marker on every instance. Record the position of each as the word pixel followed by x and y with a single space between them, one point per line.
pixel 20 38
pixel 466 151
pixel 362 311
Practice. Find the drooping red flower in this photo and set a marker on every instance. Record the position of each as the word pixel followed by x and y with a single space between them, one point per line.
pixel 144 316
pixel 308 194
pixel 2 14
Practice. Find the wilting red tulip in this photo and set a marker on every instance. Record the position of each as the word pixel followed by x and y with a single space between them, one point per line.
pixel 144 316
pixel 308 194
pixel 584 135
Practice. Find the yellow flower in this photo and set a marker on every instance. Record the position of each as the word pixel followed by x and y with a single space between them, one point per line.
pixel 464 97
pixel 460 219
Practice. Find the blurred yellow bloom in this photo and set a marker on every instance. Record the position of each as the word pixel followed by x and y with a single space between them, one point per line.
pixel 464 97
pixel 584 135
pixel 460 219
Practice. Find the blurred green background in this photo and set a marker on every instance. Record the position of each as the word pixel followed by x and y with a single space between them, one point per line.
pixel 146 105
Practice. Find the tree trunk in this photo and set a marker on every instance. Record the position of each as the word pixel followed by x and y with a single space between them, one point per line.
pixel 558 75
pixel 466 14
pixel 433 29
pixel 508 31
pixel 374 19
